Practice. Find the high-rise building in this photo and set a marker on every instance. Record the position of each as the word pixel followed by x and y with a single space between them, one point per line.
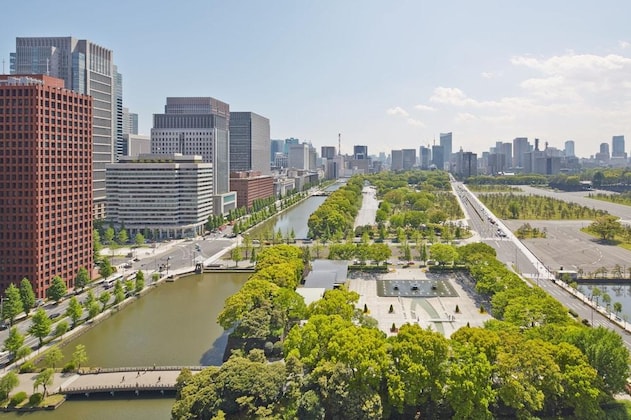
pixel 328 152
pixel 198 126
pixel 409 158
pixel 438 156
pixel 170 196
pixel 299 156
pixel 447 144
pixel 276 146
pixel 46 195
pixel 130 122
pixel 289 142
pixel 617 147
pixel 86 68
pixel 396 163
pixel 360 152
pixel 425 157
pixel 249 142
pixel 520 148
pixel 569 149
pixel 251 186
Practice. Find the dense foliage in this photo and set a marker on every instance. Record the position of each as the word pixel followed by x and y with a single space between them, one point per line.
pixel 336 216
pixel 519 179
pixel 532 360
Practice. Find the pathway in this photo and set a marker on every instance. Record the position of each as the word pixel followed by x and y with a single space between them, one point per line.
pixel 368 210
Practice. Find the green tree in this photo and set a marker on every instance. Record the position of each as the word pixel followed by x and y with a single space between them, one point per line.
pixel 82 279
pixel 380 252
pixel 104 298
pixel 79 356
pixel 235 255
pixel 57 289
pixel 41 325
pixel 140 282
pixel 27 295
pixel 45 379
pixel 139 239
pixel 74 310
pixel 109 235
pixel 14 342
pixel 89 299
pixel 93 310
pixel 122 237
pixel 105 268
pixel 606 226
pixel 130 285
pixel 469 384
pixel 97 246
pixel 7 383
pixel 53 357
pixel 443 253
pixel 119 292
pixel 12 304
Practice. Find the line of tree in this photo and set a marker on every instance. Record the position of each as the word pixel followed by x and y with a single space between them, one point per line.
pixel 517 179
pixel 334 219
pixel 363 252
pixel 536 207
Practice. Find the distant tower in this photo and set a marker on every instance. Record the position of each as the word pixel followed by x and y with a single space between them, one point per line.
pixel 339 143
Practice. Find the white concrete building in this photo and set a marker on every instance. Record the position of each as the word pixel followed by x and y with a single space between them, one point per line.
pixel 167 196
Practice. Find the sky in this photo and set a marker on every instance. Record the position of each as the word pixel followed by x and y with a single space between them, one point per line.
pixel 389 75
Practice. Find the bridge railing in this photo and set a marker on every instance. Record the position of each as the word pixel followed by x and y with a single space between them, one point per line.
pixel 116 388
pixel 93 371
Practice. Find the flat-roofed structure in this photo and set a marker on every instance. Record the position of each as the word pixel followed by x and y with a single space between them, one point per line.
pixel 170 196
pixel 46 190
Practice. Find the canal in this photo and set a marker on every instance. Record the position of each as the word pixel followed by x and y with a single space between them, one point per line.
pixel 295 218
pixel 175 324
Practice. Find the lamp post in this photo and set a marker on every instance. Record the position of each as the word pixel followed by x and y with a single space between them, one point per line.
pixel 168 259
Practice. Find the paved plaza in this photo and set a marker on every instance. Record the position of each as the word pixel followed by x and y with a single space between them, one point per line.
pixel 437 312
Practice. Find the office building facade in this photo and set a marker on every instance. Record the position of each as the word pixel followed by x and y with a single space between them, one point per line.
pixel 164 196
pixel 446 141
pixel 46 194
pixel 360 152
pixel 569 149
pixel 86 68
pixel 299 156
pixel 250 186
pixel 198 126
pixel 328 152
pixel 250 142
pixel 617 147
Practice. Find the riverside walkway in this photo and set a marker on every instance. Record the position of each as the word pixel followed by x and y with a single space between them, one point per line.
pixel 111 381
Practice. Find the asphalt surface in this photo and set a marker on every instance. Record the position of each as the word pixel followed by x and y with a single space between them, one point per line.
pixel 532 263
pixel 368 210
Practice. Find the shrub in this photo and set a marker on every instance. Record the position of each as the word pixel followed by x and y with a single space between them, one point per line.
pixel 391 310
pixel 27 367
pixel 457 309
pixel 36 399
pixel 268 348
pixel 393 328
pixel 278 348
pixel 17 398
pixel 69 367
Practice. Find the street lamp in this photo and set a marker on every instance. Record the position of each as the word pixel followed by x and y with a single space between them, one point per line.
pixel 168 259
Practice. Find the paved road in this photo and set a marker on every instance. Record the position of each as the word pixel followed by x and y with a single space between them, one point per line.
pixel 515 254
pixel 368 210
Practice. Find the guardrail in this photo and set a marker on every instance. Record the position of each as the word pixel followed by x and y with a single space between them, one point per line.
pixel 116 388
pixel 94 371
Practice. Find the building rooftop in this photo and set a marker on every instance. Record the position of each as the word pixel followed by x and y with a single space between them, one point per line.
pixel 327 274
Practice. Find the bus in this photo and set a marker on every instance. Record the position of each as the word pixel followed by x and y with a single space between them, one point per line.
pixel 112 280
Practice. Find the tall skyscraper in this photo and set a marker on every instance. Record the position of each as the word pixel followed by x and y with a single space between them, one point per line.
pixel 46 195
pixel 520 148
pixel 328 152
pixel 447 144
pixel 617 147
pixel 569 149
pixel 249 142
pixel 360 152
pixel 130 122
pixel 299 156
pixel 396 163
pixel 409 158
pixel 425 157
pixel 438 156
pixel 276 146
pixel 86 68
pixel 197 126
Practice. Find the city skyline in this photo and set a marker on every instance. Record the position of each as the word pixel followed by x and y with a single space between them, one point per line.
pixel 398 76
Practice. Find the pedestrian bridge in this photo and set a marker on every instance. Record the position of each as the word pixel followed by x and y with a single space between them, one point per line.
pixel 111 381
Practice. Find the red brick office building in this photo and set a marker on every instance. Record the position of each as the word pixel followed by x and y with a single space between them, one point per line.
pixel 45 181
pixel 250 186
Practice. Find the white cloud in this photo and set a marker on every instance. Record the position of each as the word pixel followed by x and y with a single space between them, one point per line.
pixel 416 122
pixel 397 111
pixel 624 44
pixel 422 107
pixel 490 74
